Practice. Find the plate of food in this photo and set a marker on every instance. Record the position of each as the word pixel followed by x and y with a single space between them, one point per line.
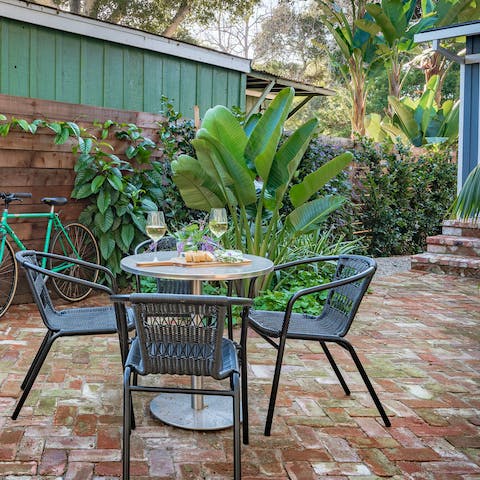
pixel 201 258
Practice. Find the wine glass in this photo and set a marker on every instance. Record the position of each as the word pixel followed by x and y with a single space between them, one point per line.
pixel 155 226
pixel 217 222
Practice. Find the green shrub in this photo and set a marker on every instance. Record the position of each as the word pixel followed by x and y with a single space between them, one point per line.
pixel 403 200
pixel 317 154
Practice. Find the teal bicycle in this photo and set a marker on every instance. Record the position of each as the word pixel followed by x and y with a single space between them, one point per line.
pixel 73 240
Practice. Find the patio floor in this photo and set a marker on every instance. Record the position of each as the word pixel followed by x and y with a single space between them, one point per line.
pixel 417 334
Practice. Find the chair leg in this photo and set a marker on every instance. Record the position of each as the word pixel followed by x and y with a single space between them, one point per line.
pixel 335 368
pixel 33 372
pixel 237 464
pixel 273 394
pixel 244 384
pixel 367 382
pixel 35 360
pixel 229 311
pixel 127 417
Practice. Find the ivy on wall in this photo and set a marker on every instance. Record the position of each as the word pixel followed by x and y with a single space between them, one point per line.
pixel 120 191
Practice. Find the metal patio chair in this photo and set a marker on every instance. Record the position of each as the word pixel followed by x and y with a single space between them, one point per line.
pixel 346 289
pixel 66 322
pixel 183 335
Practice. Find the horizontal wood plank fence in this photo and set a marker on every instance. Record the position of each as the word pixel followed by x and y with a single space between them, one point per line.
pixel 33 163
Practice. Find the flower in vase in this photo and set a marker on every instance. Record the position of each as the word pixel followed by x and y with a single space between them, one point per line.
pixel 194 237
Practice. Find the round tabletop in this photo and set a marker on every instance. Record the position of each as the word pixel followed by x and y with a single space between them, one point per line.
pixel 228 271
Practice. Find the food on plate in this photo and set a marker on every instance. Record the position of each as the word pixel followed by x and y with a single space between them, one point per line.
pixel 199 256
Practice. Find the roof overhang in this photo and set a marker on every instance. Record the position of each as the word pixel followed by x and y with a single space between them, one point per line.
pixel 466 29
pixel 258 81
pixel 73 23
pixel 265 86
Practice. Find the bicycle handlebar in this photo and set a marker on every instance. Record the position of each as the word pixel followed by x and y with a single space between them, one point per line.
pixel 11 197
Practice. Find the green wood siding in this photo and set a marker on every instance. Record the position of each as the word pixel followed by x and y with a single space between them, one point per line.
pixel 43 63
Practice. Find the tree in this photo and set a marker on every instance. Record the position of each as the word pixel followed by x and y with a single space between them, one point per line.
pixel 231 33
pixel 357 54
pixel 393 25
pixel 291 43
pixel 164 17
pixel 447 12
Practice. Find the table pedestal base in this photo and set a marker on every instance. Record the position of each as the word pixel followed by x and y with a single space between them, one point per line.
pixel 176 410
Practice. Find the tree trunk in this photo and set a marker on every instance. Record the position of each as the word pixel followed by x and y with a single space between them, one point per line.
pixel 358 94
pixel 182 12
pixel 436 64
pixel 75 6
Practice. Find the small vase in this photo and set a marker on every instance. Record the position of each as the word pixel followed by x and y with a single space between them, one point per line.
pixel 183 247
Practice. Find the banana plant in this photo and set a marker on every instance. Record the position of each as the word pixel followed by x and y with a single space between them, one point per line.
pixel 357 59
pixel 392 23
pixel 245 169
pixel 419 122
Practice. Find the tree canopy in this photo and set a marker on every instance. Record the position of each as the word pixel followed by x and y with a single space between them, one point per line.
pixel 166 17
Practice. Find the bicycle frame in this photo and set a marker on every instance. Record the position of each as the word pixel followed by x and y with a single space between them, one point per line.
pixel 54 223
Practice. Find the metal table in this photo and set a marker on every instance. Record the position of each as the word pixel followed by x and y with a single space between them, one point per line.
pixel 194 412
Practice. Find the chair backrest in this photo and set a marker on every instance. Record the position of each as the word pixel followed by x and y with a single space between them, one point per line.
pixel 164 285
pixel 343 301
pixel 37 281
pixel 38 275
pixel 181 334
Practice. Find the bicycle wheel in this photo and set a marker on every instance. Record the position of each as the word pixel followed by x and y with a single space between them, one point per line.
pixel 8 278
pixel 87 249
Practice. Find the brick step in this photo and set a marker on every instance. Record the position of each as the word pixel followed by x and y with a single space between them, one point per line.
pixel 447 264
pixel 463 246
pixel 461 229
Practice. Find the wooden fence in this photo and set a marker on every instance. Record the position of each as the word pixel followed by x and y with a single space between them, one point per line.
pixel 33 163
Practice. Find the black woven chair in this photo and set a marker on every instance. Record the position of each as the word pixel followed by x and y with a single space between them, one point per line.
pixel 350 281
pixel 164 285
pixel 67 322
pixel 183 335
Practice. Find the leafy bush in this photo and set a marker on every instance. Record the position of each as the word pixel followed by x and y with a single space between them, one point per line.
pixel 285 283
pixel 341 221
pixel 403 200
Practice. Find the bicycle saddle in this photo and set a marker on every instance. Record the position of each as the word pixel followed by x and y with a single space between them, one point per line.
pixel 58 201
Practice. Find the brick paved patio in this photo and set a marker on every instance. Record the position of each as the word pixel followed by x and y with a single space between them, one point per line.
pixel 417 334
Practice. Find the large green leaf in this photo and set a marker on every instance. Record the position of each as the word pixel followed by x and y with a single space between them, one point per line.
pixel 289 155
pixel 308 216
pixel 310 185
pixel 127 234
pixel 104 199
pixel 368 26
pixel 467 204
pixel 220 122
pixel 450 125
pixel 405 116
pixel 104 221
pixel 389 31
pixel 263 141
pixel 240 178
pixel 199 191
pixel 107 245
pixel 210 161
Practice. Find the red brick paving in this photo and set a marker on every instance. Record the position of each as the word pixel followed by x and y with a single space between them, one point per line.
pixel 417 334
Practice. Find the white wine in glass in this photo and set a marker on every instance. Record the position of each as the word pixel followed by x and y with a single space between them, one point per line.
pixel 218 223
pixel 156 226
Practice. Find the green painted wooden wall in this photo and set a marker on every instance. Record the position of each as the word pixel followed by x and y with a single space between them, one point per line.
pixel 39 62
